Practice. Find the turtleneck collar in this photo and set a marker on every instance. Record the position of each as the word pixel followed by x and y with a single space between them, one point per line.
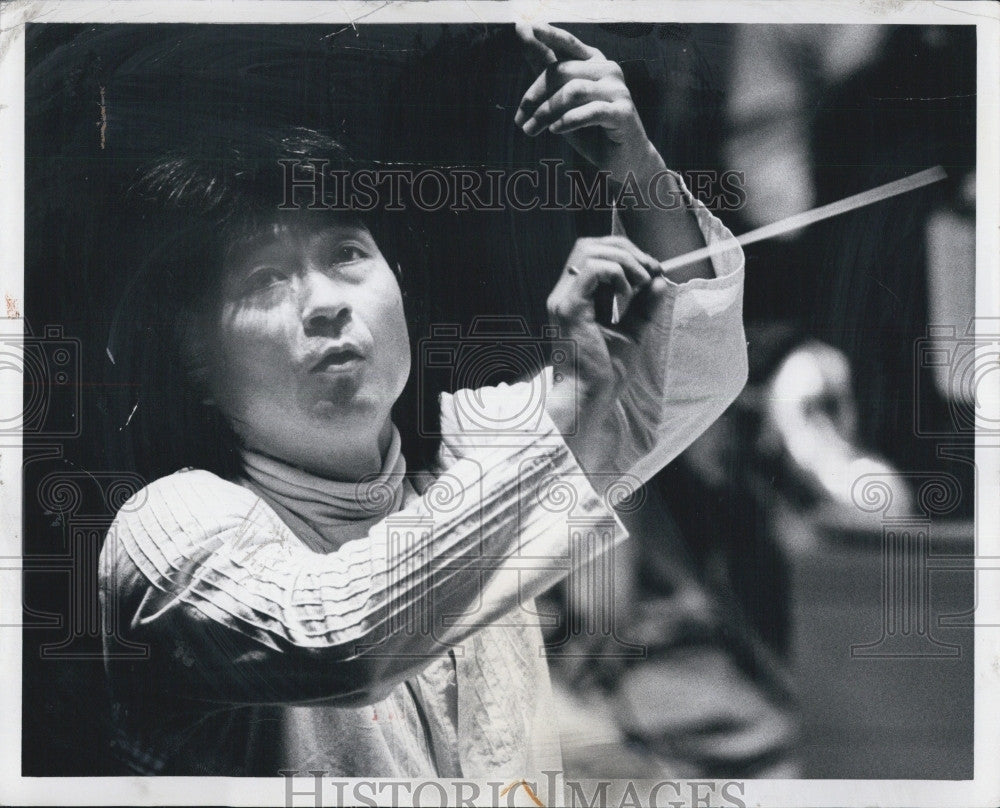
pixel 336 511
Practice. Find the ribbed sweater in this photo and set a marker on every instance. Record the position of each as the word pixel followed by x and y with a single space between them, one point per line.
pixel 398 639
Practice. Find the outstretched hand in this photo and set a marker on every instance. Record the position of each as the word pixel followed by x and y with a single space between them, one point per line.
pixel 582 95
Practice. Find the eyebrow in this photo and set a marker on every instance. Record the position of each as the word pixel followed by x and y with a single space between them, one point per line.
pixel 243 247
pixel 336 233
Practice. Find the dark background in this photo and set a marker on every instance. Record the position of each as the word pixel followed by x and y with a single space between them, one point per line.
pixel 445 95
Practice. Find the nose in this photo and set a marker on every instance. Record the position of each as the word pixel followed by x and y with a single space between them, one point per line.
pixel 325 307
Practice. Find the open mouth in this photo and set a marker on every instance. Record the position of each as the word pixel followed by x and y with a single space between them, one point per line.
pixel 337 359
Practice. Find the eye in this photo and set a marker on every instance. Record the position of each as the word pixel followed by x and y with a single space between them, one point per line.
pixel 348 252
pixel 264 278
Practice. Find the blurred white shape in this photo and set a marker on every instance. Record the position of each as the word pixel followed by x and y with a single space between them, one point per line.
pixel 810 414
pixel 951 295
pixel 777 74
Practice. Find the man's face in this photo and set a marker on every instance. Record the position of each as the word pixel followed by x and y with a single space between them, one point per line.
pixel 310 348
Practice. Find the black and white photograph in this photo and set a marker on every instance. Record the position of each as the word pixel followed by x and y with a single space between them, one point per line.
pixel 500 403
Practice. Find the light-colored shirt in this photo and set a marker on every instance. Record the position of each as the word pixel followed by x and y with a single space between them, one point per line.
pixel 401 641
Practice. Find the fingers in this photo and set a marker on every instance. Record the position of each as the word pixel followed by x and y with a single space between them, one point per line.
pixel 639 266
pixel 572 301
pixel 577 86
pixel 605 101
pixel 602 270
pixel 614 261
pixel 611 115
pixel 649 264
pixel 556 76
pixel 536 52
pixel 562 43
pixel 632 264
pixel 642 307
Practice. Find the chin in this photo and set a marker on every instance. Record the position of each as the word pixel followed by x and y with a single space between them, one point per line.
pixel 357 413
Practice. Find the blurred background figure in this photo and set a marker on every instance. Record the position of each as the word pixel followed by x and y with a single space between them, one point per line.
pixel 757 569
pixel 777 74
pixel 816 113
pixel 710 576
pixel 799 447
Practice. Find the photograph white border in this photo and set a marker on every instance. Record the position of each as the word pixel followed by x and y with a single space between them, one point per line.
pixel 984 790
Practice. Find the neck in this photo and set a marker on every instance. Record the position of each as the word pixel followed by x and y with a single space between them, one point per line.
pixel 325 503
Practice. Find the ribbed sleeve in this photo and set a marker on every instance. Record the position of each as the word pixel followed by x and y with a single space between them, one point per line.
pixel 206 574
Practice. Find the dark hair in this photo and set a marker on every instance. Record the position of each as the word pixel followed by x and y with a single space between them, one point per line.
pixel 192 208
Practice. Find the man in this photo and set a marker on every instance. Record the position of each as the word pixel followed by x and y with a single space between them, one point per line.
pixel 317 608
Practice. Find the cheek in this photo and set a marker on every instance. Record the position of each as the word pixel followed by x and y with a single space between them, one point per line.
pixel 397 317
pixel 394 333
pixel 251 355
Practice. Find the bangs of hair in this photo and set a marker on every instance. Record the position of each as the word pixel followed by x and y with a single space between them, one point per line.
pixel 229 192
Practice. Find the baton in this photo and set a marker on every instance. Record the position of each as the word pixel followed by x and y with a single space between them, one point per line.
pixel 800 220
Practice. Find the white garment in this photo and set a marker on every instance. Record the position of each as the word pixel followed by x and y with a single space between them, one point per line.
pixel 253 604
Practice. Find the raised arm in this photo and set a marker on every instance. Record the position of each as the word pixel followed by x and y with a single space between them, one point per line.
pixel 633 396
